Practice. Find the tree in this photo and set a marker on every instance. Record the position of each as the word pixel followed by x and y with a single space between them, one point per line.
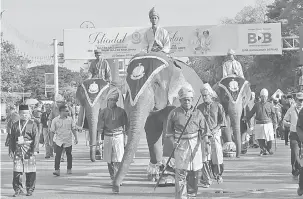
pixel 13 68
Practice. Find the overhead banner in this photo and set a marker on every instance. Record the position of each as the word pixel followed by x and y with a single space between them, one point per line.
pixel 186 41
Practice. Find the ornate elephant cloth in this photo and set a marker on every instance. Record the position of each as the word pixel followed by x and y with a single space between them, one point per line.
pixel 141 70
pixel 233 86
pixel 93 89
pixel 24 159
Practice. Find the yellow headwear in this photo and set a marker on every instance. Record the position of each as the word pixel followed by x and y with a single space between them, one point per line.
pixel 153 12
pixel 186 91
pixel 113 94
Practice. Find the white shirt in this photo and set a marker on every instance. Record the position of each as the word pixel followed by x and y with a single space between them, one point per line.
pixel 232 67
pixel 161 37
pixel 63 131
pixel 291 118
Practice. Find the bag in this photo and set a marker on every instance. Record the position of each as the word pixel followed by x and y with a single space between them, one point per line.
pixel 41 139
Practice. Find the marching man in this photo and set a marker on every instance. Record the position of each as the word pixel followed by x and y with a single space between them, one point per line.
pixel 156 38
pixel 22 148
pixel 188 155
pixel 113 123
pixel 215 116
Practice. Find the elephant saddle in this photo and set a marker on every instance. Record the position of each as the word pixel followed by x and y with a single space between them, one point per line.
pixel 93 88
pixel 233 85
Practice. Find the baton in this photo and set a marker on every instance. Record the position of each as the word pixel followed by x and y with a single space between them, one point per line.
pixel 177 144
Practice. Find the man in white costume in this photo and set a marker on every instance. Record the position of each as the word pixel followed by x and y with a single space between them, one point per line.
pixel 156 39
pixel 266 122
pixel 232 66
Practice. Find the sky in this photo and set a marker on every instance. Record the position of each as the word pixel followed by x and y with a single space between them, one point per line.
pixel 44 20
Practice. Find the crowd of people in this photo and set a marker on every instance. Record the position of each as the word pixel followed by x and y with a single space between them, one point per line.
pixel 200 147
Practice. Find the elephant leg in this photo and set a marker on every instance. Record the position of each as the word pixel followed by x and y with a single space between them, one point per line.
pixel 153 129
pixel 227 136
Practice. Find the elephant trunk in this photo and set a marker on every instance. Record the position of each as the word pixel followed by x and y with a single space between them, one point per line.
pixel 137 118
pixel 92 119
pixel 235 124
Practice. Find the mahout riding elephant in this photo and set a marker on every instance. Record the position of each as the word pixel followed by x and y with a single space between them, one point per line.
pixel 153 82
pixel 234 93
pixel 92 95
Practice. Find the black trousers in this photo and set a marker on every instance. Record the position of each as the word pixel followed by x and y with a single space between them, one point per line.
pixel 113 168
pixel 192 179
pixel 30 182
pixel 295 146
pixel 265 146
pixel 69 156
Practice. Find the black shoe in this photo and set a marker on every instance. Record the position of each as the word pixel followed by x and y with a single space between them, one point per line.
pixel 29 193
pixel 47 157
pixel 18 193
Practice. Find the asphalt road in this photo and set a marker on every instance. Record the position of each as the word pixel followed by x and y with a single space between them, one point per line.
pixel 250 176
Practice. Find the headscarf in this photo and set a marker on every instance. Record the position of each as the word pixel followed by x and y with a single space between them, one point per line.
pixel 208 88
pixel 113 94
pixel 153 12
pixel 186 91
pixel 264 92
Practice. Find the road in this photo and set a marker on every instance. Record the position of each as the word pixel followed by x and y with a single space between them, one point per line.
pixel 250 176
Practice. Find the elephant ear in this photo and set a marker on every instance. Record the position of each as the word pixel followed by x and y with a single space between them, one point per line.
pixel 182 77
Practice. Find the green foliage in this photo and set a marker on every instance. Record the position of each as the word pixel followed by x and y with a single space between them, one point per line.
pixel 13 68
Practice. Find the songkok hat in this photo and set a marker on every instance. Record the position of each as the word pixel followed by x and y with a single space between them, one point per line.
pixel 153 12
pixel 113 94
pixel 98 51
pixel 23 107
pixel 186 91
pixel 207 87
pixel 299 95
pixel 264 92
pixel 231 52
pixel 59 98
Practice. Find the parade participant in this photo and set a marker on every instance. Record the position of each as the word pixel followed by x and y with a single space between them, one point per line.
pixel 99 68
pixel 188 155
pixel 64 128
pixel 22 149
pixel 251 122
pixel 265 122
pixel 278 113
pixel 11 118
pixel 113 124
pixel 299 132
pixel 47 135
pixel 156 39
pixel 215 117
pixel 290 120
pixel 287 104
pixel 232 66
pixel 59 100
pixel 36 116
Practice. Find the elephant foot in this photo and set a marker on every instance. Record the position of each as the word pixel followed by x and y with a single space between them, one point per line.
pixel 167 181
pixel 153 171
pixel 229 147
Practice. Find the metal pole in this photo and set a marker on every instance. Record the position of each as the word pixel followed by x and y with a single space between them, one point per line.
pixel 55 43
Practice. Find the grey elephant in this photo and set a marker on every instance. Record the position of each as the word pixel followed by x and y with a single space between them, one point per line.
pixel 92 95
pixel 234 93
pixel 153 81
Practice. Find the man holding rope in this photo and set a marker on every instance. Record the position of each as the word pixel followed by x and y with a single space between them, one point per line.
pixel 188 154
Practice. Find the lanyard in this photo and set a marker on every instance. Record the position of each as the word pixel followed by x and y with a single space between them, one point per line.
pixel 21 130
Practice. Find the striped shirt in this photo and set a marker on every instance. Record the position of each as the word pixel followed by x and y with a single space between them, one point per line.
pixel 63 128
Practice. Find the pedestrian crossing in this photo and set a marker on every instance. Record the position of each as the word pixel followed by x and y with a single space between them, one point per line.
pixel 250 176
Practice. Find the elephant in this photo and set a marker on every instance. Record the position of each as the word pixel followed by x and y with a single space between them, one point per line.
pixel 234 94
pixel 92 95
pixel 153 81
